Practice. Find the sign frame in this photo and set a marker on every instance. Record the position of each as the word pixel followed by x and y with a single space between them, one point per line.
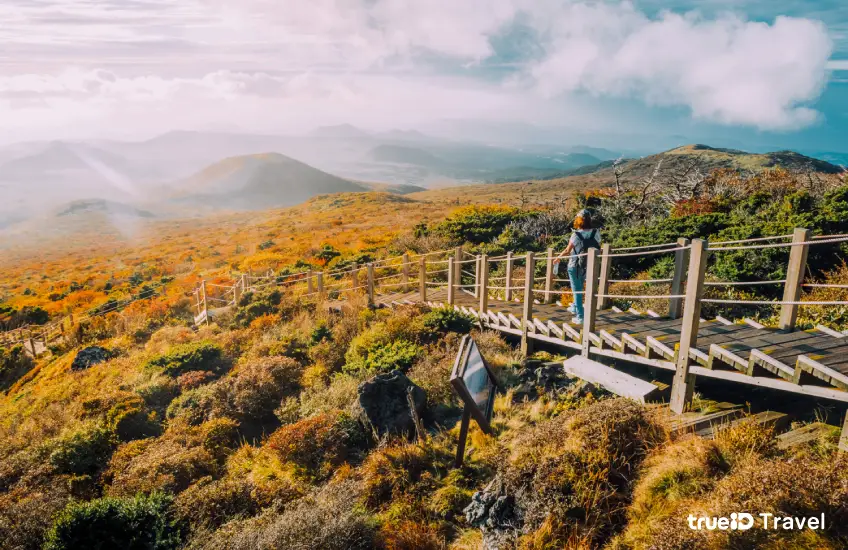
pixel 483 416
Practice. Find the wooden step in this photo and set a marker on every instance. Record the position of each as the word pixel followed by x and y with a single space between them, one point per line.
pixel 696 421
pixel 805 434
pixel 767 419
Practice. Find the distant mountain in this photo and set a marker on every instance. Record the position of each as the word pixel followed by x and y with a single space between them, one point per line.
pixel 259 181
pixel 112 208
pixel 403 154
pixel 712 158
pixel 54 173
pixel 341 131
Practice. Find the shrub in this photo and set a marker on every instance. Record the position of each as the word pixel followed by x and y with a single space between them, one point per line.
pixel 446 319
pixel 250 393
pixel 328 519
pixel 571 476
pixel 194 379
pixel 397 355
pixel 220 436
pixel 14 363
pixel 319 444
pixel 129 420
pixel 83 451
pixel 209 504
pixel 476 224
pixel 411 535
pixel 169 463
pixel 184 358
pixel 140 522
pixel 158 393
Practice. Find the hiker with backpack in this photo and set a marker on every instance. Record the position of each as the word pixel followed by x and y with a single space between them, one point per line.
pixel 584 237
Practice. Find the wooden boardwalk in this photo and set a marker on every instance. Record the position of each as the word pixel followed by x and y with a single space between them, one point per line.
pixel 813 362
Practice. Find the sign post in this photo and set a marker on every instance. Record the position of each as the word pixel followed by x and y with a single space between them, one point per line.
pixel 472 379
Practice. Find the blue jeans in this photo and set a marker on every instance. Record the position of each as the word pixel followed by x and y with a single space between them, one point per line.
pixel 576 278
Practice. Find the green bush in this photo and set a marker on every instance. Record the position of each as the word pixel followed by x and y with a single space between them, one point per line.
pixel 129 420
pixel 184 358
pixel 253 305
pixel 476 224
pixel 398 355
pixel 83 451
pixel 446 319
pixel 143 522
pixel 14 363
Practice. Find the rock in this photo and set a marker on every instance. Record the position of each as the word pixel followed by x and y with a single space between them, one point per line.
pixel 89 357
pixel 537 375
pixel 494 512
pixel 383 403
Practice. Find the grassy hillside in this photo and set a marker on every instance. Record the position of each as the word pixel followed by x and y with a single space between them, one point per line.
pixel 258 182
pixel 249 433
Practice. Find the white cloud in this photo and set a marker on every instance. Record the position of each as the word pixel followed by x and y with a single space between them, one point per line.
pixel 106 59
pixel 838 65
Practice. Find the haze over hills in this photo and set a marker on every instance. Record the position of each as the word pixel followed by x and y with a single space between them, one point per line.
pixel 259 181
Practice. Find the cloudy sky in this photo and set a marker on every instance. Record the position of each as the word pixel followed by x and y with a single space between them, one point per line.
pixel 776 70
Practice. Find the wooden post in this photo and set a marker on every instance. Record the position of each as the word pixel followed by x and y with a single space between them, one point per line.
pixel 681 258
pixel 590 300
pixel 422 279
pixel 457 265
pixel 463 436
pixel 794 278
pixel 354 275
pixel 309 286
pixel 32 345
pixel 684 383
pixel 370 274
pixel 405 273
pixel 477 277
pixel 603 282
pixel 527 312
pixel 484 284
pixel 319 279
pixel 451 280
pixel 203 292
pixel 245 285
pixel 549 278
pixel 508 285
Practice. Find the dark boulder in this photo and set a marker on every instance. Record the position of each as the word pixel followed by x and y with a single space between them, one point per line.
pixel 496 515
pixel 536 375
pixel 384 405
pixel 89 357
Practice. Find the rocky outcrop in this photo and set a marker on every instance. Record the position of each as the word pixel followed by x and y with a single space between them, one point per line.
pixel 88 357
pixel 383 403
pixel 495 513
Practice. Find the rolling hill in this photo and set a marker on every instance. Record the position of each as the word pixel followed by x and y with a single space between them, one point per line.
pixel 254 182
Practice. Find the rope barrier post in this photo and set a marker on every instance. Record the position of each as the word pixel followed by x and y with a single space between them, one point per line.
pixel 370 275
pixel 684 383
pixel 484 285
pixel 422 279
pixel 603 284
pixel 451 280
pixel 590 300
pixel 527 312
pixel 549 278
pixel 319 280
pixel 509 265
pixel 405 274
pixel 354 276
pixel 32 345
pixel 245 284
pixel 680 260
pixel 794 278
pixel 205 307
pixel 457 265
pixel 309 288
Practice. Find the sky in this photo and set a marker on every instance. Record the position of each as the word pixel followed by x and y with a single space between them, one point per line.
pixel 761 72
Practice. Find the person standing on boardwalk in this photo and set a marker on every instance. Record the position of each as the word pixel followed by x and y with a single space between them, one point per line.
pixel 584 237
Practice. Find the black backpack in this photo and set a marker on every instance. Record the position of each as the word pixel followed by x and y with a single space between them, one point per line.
pixel 583 244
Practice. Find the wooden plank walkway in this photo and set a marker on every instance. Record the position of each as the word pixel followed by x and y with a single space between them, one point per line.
pixel 813 362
